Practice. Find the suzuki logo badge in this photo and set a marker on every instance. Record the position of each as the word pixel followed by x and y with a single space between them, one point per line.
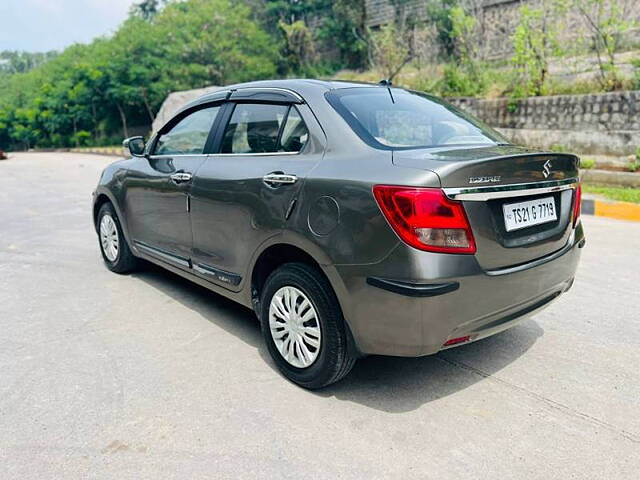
pixel 546 168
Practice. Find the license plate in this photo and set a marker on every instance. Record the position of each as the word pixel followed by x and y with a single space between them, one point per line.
pixel 530 213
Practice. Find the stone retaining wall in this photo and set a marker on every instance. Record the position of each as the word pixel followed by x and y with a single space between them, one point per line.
pixel 604 177
pixel 601 112
pixel 607 124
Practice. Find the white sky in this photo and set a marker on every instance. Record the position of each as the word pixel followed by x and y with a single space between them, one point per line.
pixel 41 25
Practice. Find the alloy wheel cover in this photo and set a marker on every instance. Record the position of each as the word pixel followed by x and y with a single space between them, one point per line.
pixel 294 326
pixel 109 238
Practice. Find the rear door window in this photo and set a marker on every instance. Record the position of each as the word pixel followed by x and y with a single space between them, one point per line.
pixel 188 136
pixel 264 128
pixel 294 134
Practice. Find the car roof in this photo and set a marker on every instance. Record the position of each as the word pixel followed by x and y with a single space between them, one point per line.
pixel 304 88
pixel 303 83
pixel 301 86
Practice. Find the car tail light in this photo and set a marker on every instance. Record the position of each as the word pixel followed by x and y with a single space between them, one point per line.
pixel 426 219
pixel 577 204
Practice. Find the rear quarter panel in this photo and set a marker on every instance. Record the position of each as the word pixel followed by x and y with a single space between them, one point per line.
pixel 352 230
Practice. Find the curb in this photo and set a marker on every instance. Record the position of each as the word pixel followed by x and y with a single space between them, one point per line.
pixel 617 210
pixel 111 151
pixel 606 177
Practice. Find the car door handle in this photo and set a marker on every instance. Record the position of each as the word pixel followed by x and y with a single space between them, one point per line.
pixel 180 177
pixel 277 178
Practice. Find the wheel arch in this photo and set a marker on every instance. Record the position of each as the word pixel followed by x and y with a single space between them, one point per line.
pixel 102 196
pixel 100 200
pixel 279 253
pixel 274 256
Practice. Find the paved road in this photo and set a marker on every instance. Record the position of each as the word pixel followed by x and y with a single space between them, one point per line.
pixel 147 376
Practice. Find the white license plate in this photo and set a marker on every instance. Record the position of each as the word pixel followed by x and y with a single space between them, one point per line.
pixel 530 213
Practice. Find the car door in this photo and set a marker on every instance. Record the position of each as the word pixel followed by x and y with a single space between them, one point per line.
pixel 157 187
pixel 243 194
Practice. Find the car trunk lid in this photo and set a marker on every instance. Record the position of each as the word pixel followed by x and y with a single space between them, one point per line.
pixel 490 181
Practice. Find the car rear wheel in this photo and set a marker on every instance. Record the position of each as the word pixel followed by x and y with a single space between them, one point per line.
pixel 115 251
pixel 303 327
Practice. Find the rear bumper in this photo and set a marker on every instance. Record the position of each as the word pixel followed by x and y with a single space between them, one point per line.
pixel 453 297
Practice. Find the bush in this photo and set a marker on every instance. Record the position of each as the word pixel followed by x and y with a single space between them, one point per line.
pixel 558 148
pixel 81 138
pixel 513 105
pixel 390 50
pixel 634 164
pixel 534 43
pixel 459 82
pixel 300 48
pixel 587 163
pixel 636 74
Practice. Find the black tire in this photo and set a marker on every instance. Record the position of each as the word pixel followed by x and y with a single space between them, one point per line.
pixel 334 359
pixel 124 262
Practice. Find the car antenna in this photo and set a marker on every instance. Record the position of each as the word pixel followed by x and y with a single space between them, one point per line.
pixel 387 83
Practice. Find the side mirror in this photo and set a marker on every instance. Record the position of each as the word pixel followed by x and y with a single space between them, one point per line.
pixel 135 146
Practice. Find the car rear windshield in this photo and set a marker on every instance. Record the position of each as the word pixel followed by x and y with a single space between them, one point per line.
pixel 392 118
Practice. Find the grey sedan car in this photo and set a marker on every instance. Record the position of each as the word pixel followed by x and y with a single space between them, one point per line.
pixel 353 219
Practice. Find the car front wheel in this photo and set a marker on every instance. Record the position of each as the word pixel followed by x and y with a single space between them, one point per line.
pixel 303 327
pixel 114 248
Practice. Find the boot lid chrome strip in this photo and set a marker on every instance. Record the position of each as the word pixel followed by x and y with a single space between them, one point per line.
pixel 481 194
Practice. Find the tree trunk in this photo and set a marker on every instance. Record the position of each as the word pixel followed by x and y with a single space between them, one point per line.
pixel 148 107
pixel 75 132
pixel 94 118
pixel 123 118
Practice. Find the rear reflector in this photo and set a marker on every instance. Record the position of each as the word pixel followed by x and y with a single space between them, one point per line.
pixel 577 204
pixel 455 341
pixel 426 219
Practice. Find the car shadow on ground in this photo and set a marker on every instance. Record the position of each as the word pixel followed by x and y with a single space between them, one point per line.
pixel 395 384
pixel 389 384
pixel 236 319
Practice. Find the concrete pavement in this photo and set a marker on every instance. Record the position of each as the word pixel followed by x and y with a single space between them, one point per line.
pixel 148 376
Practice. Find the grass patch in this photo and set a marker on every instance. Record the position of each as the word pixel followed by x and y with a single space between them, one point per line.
pixel 621 194
pixel 587 163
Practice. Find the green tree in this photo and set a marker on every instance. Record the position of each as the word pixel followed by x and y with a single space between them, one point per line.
pixel 20 62
pixel 147 9
pixel 462 35
pixel 290 11
pixel 465 76
pixel 439 12
pixel 606 22
pixel 390 50
pixel 98 92
pixel 343 28
pixel 134 70
pixel 215 42
pixel 535 41
pixel 300 47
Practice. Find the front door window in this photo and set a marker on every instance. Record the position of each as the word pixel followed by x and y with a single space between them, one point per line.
pixel 188 136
